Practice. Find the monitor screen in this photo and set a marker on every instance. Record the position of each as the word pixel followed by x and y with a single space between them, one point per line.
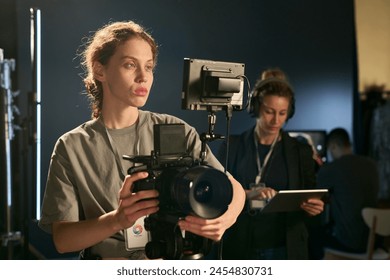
pixel 212 85
pixel 315 138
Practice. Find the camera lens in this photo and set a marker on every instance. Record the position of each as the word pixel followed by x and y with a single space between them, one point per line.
pixel 203 192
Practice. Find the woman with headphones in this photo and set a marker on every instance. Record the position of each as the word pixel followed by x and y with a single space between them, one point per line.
pixel 265 159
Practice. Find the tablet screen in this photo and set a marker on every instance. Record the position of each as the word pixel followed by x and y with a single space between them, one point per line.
pixel 291 200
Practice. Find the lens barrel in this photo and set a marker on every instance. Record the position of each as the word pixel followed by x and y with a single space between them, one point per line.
pixel 203 191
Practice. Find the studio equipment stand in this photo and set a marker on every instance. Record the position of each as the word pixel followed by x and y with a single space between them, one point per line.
pixel 9 237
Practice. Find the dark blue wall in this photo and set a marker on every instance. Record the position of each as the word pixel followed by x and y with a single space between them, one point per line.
pixel 313 41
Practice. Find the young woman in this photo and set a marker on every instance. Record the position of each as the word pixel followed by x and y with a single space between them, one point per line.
pixel 266 156
pixel 88 200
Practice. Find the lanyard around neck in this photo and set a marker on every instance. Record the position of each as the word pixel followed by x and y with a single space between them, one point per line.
pixel 260 168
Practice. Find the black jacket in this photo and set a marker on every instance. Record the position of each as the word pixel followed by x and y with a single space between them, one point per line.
pixel 301 174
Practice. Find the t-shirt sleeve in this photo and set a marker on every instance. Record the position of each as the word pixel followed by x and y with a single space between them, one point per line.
pixel 60 198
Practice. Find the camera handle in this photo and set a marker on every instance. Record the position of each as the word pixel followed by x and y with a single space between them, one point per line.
pixel 210 136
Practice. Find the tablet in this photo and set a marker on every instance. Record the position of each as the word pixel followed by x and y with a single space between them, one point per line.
pixel 291 200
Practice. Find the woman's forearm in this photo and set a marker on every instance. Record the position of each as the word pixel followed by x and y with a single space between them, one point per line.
pixel 76 236
pixel 238 200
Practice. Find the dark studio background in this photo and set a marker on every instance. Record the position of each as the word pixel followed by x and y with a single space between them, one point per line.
pixel 312 41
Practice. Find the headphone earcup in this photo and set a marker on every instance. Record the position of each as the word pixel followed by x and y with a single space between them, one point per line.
pixel 254 105
pixel 292 108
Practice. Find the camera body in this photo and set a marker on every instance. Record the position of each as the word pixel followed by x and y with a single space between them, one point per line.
pixel 189 190
pixel 186 187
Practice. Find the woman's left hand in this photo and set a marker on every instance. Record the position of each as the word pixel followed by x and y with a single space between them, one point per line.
pixel 212 229
pixel 215 228
pixel 313 206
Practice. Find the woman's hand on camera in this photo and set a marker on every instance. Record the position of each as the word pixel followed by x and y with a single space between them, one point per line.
pixel 208 228
pixel 133 206
pixel 215 228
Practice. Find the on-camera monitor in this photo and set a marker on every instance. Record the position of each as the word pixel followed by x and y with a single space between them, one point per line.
pixel 212 85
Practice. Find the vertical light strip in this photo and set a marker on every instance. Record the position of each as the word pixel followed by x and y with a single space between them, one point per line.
pixel 38 111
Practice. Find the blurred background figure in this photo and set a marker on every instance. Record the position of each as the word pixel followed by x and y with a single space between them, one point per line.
pixel 353 183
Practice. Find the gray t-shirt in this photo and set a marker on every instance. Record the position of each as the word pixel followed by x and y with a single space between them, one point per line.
pixel 85 175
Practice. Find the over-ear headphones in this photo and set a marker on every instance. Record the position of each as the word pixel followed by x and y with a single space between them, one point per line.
pixel 270 86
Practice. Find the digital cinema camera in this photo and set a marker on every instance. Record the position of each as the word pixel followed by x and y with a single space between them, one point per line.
pixel 187 185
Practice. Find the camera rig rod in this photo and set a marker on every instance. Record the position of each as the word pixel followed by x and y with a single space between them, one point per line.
pixel 210 135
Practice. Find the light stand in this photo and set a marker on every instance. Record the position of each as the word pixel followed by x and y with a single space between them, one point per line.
pixel 9 237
